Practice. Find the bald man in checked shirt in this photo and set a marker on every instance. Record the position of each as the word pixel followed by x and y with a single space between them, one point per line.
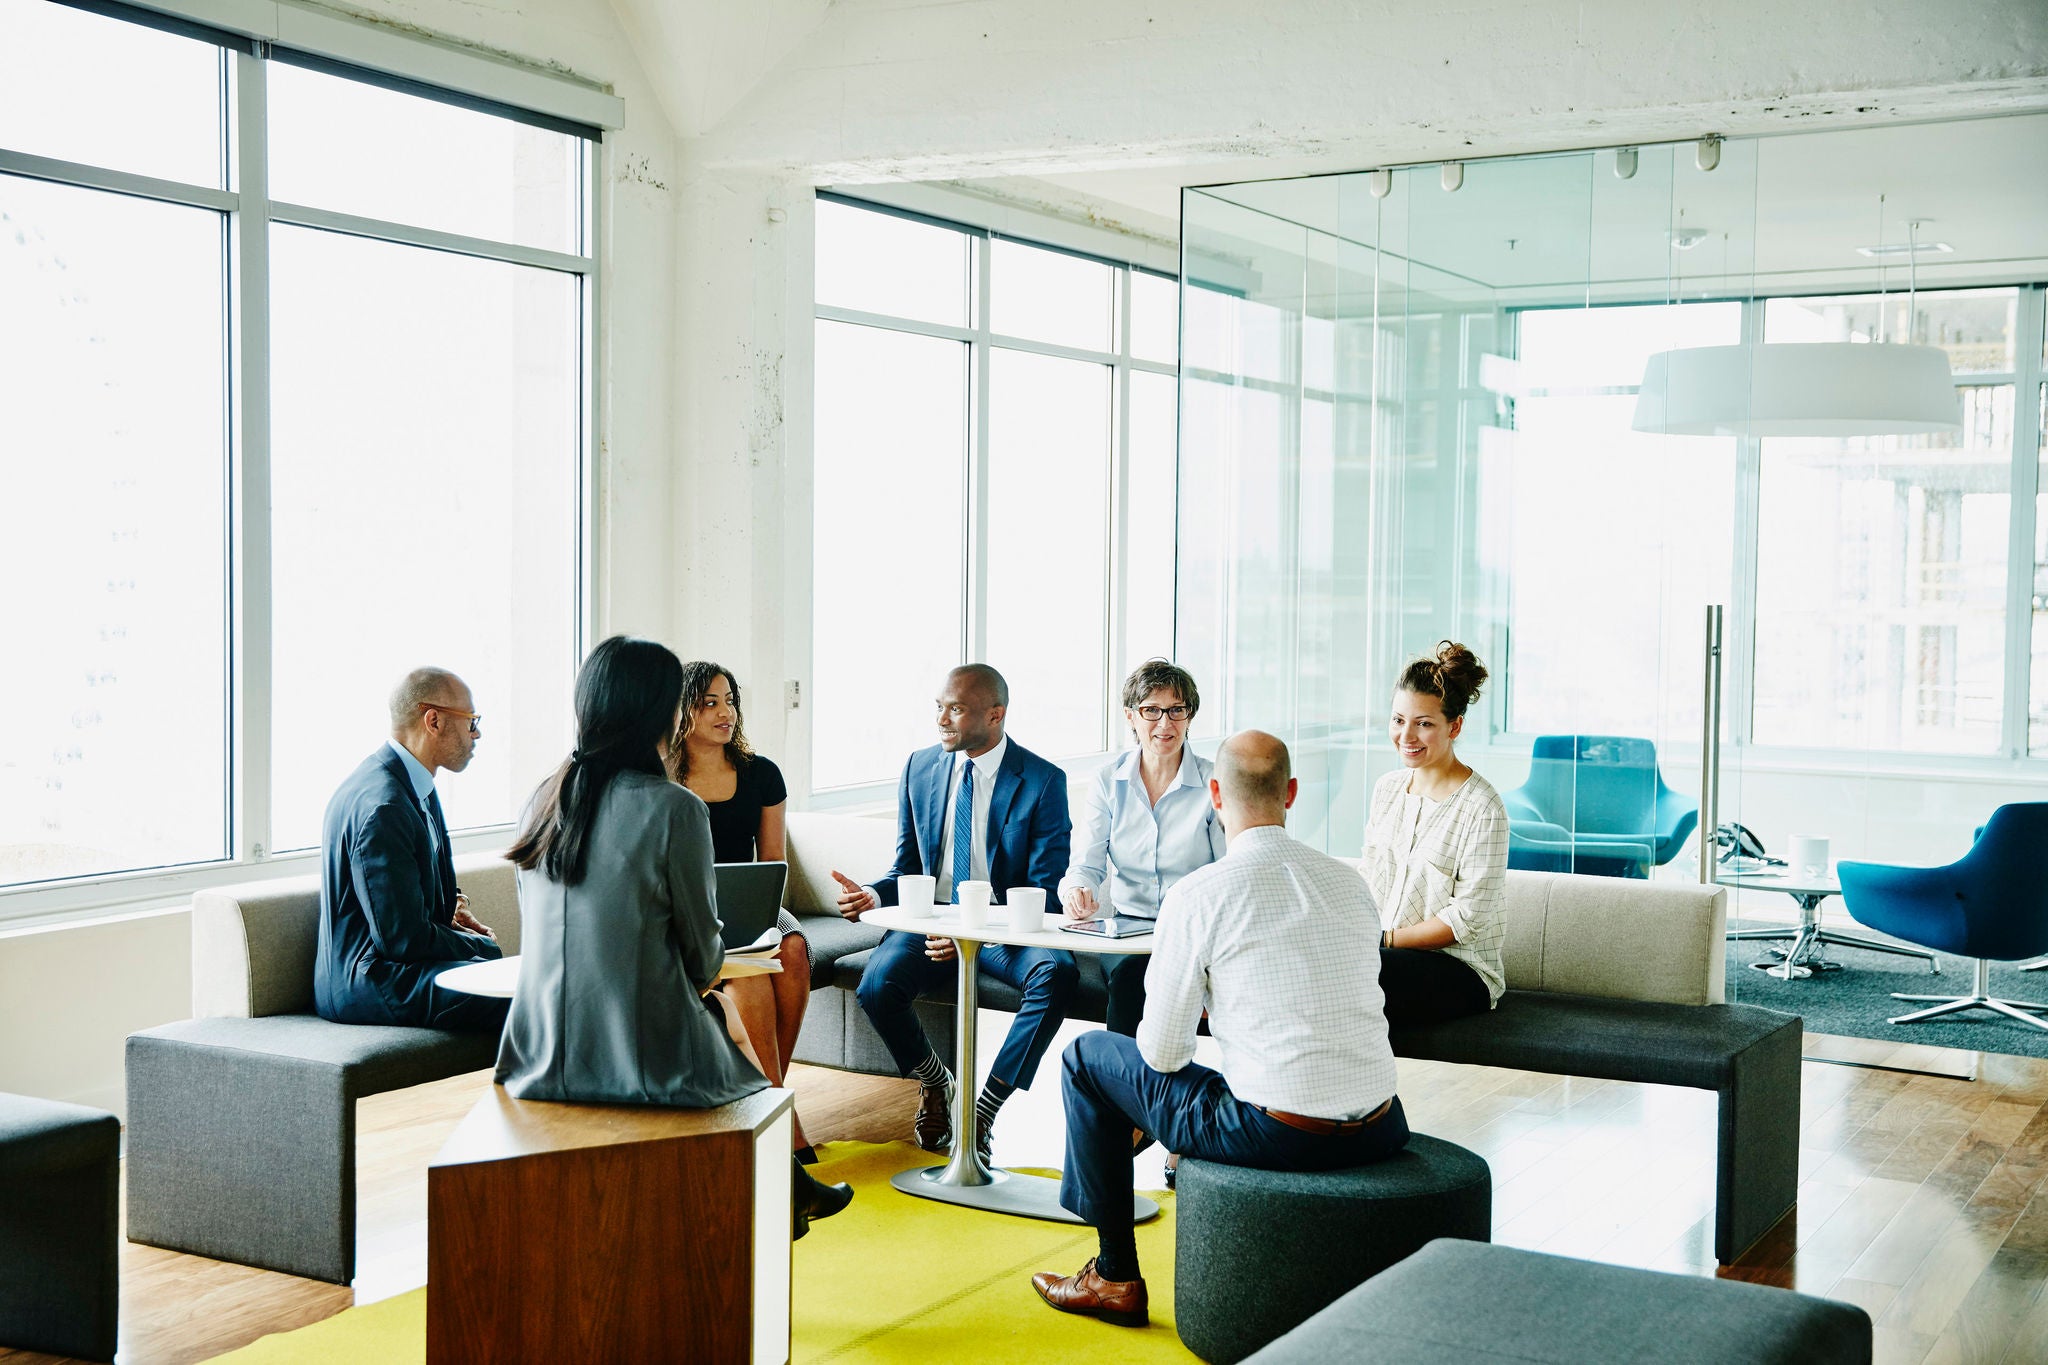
pixel 1281 943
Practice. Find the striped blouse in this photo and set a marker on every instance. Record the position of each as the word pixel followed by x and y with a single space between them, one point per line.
pixel 1450 861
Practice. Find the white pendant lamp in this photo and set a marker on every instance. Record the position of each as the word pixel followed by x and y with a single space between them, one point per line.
pixel 1803 388
pixel 1814 388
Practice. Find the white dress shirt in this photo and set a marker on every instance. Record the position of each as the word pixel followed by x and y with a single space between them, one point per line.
pixel 984 791
pixel 1281 944
pixel 1138 848
pixel 1446 859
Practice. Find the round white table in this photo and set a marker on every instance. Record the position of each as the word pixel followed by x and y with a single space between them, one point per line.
pixel 1803 958
pixel 499 978
pixel 964 1179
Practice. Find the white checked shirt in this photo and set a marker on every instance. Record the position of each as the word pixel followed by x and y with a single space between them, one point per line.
pixel 1279 941
pixel 1447 859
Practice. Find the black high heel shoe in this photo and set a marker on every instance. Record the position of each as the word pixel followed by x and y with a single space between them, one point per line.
pixel 811 1198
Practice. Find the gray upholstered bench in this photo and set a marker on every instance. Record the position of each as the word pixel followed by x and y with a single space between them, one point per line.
pixel 1607 978
pixel 60 1273
pixel 242 1121
pixel 1463 1303
pixel 1256 1252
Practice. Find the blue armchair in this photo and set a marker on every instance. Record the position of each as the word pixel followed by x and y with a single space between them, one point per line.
pixel 1990 903
pixel 1596 804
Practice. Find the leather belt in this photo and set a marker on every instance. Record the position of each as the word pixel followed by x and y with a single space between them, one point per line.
pixel 1326 1127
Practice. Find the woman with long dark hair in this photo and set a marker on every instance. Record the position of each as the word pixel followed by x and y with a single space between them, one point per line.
pixel 620 931
pixel 744 793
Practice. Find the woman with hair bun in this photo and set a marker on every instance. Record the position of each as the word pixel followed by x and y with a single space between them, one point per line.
pixel 1436 852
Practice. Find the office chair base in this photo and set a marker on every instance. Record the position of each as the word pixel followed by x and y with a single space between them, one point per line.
pixel 2036 965
pixel 1979 999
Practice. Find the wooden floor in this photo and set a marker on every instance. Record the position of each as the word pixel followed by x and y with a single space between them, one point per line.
pixel 1924 1199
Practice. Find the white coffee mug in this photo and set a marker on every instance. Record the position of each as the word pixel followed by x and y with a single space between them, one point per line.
pixel 914 895
pixel 974 898
pixel 1808 855
pixel 1027 906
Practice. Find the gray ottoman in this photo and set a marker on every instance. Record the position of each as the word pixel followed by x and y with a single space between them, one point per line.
pixel 1464 1302
pixel 60 1283
pixel 1258 1252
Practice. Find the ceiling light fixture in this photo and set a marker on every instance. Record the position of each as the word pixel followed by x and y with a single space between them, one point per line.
pixel 1707 154
pixel 1624 163
pixel 1805 388
pixel 1453 176
pixel 1685 239
pixel 1906 249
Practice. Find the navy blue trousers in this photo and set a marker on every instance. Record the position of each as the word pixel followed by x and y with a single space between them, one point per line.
pixel 1109 1090
pixel 899 974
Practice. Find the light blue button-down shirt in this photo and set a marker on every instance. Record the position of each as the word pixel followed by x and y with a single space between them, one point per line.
pixel 422 787
pixel 1140 849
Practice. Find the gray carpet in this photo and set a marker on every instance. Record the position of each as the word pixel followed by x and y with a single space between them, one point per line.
pixel 1857 1001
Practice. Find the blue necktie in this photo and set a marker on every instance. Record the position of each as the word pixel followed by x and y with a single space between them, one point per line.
pixel 963 830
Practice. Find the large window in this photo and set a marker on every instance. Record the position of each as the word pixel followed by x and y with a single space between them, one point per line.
pixel 993 479
pixel 262 453
pixel 1871 581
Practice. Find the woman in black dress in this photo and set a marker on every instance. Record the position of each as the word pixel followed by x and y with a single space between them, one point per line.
pixel 745 795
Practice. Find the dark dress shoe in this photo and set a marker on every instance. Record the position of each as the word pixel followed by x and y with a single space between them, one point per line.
pixel 1120 1302
pixel 985 1141
pixel 933 1127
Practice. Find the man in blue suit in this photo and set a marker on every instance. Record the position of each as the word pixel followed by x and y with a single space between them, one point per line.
pixel 975 808
pixel 391 915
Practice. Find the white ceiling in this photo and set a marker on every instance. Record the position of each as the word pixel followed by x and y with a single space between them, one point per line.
pixel 1789 210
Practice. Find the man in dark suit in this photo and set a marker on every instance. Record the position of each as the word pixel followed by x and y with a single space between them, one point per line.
pixel 975 808
pixel 391 915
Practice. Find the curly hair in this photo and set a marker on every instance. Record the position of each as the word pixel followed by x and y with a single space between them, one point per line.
pixel 1452 675
pixel 698 676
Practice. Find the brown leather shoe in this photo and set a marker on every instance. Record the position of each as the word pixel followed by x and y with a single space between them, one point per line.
pixel 1121 1302
pixel 933 1127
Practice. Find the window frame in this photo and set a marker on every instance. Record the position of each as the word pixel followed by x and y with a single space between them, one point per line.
pixel 981 341
pixel 247 213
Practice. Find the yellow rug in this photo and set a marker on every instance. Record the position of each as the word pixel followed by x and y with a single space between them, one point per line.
pixel 891 1279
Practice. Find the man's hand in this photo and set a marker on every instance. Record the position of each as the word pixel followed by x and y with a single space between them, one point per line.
pixel 940 949
pixel 853 897
pixel 468 923
pixel 1079 901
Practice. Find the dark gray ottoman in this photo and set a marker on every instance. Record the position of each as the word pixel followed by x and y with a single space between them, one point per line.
pixel 1258 1252
pixel 60 1273
pixel 1466 1302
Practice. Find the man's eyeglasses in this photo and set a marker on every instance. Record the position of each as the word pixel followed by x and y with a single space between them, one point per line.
pixel 475 719
pixel 1153 713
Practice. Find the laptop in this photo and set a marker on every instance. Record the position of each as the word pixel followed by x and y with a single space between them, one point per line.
pixel 749 894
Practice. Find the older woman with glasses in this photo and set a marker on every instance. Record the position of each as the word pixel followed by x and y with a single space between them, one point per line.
pixel 1147 822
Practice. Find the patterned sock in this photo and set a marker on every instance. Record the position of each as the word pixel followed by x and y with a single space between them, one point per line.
pixel 991 1102
pixel 931 1071
pixel 1117 1261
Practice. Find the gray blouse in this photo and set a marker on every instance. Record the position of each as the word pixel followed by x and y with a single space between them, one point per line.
pixel 608 1007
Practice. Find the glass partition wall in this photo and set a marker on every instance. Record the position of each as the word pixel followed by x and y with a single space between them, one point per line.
pixel 1410 405
pixel 1415 406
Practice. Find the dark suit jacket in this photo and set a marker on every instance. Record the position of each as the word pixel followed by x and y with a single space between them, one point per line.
pixel 1029 825
pixel 386 902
